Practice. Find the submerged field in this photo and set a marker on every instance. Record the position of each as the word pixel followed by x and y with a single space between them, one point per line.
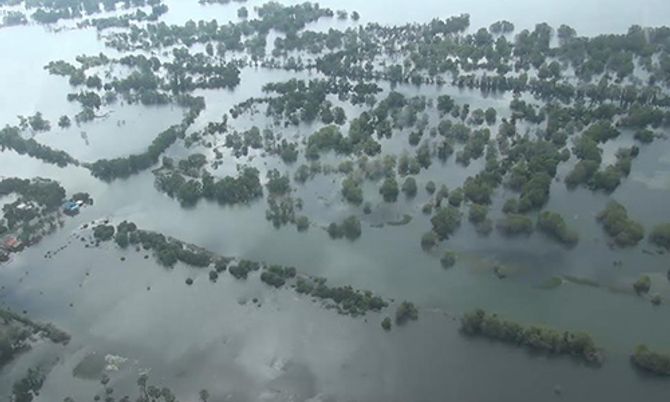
pixel 302 202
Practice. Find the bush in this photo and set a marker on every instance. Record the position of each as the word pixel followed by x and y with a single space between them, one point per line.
pixel 334 231
pixel 352 191
pixel 428 241
pixel 511 206
pixel 242 269
pixel 553 225
pixel 515 224
pixel 478 213
pixel 484 227
pixel 194 258
pixel 445 221
pixel 103 232
pixel 221 265
pixel 409 187
pixel 367 208
pixel 642 285
pixel 649 361
pixel 616 223
pixel 448 259
pixel 302 223
pixel 430 187
pixel 456 198
pixel 645 136
pixel 660 235
pixel 386 324
pixel 276 275
pixel 351 227
pixel 406 311
pixel 389 189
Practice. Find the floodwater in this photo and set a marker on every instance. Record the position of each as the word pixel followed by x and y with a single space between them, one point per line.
pixel 211 335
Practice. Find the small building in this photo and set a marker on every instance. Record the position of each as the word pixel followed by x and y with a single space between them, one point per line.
pixel 11 243
pixel 71 208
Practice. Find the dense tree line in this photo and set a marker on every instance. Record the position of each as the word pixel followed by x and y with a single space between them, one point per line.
pixel 10 137
pixel 579 344
pixel 229 190
pixel 45 192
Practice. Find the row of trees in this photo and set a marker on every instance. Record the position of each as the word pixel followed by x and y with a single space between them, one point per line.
pixel 579 344
pixel 348 300
pixel 10 138
pixel 229 190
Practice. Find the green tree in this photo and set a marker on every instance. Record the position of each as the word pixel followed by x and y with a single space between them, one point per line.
pixel 352 191
pixel 642 285
pixel 660 235
pixel 405 312
pixel 490 116
pixel 445 221
pixel 409 187
pixel 389 189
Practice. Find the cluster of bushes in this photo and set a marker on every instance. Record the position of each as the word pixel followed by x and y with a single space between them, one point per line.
pixel 389 189
pixel 24 389
pixel 625 231
pixel 241 142
pixel 660 235
pixel 352 190
pixel 480 323
pixel 409 187
pixel 349 228
pixel 282 211
pixel 167 251
pixel 242 269
pixel 405 312
pixel 650 361
pixel 277 183
pixel 348 300
pixel 445 221
pixel 49 12
pixel 103 232
pixel 514 225
pixel 478 215
pixel 242 189
pixel 276 275
pixel 123 231
pixel 553 225
pixel 609 178
pixel 642 285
